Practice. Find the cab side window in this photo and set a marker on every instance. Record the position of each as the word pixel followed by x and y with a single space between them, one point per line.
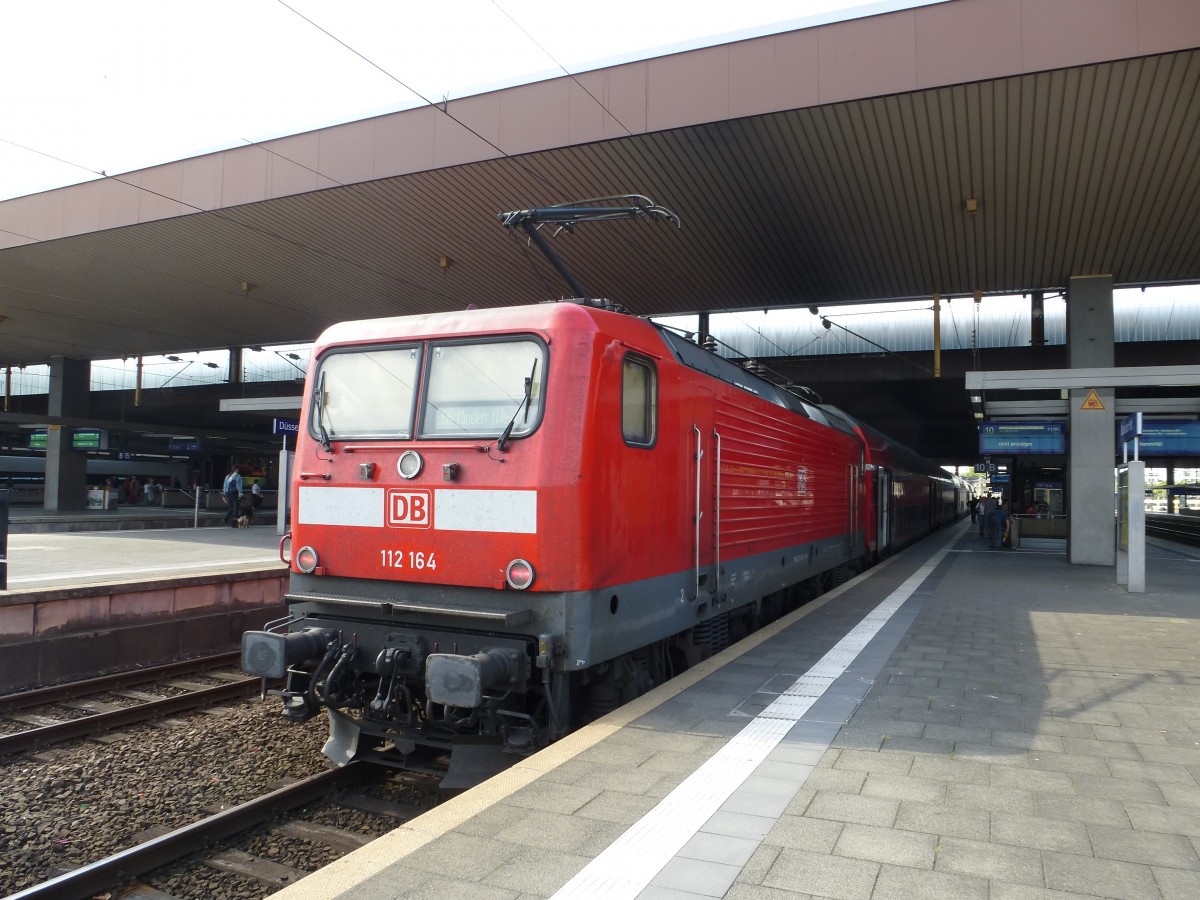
pixel 639 402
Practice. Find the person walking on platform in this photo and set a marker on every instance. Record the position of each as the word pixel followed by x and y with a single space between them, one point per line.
pixel 233 496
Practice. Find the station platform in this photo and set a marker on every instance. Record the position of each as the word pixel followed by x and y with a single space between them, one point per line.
pixel 48 549
pixel 97 590
pixel 36 520
pixel 958 722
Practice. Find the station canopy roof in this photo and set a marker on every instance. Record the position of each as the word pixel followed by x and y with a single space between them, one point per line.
pixel 973 146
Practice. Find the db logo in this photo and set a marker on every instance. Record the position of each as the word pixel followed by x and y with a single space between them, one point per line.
pixel 410 509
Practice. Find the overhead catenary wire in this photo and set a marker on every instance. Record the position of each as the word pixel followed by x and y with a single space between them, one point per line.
pixel 443 108
pixel 569 74
pixel 218 214
pixel 261 145
pixel 831 323
pixel 759 332
pixel 958 343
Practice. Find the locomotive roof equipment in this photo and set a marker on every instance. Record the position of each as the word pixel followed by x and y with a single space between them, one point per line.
pixel 568 215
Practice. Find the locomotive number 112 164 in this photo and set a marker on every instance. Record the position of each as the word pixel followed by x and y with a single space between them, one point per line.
pixel 407 559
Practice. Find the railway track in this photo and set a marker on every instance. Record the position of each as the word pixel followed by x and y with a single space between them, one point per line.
pixel 180 805
pixel 174 845
pixel 216 838
pixel 68 715
pixel 1182 529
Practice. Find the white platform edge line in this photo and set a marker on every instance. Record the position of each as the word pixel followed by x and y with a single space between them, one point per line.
pixel 633 860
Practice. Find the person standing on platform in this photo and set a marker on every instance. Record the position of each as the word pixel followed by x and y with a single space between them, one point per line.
pixel 999 526
pixel 233 495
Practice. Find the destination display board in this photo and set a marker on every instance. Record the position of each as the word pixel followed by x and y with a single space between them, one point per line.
pixel 1170 437
pixel 81 439
pixel 89 439
pixel 1049 436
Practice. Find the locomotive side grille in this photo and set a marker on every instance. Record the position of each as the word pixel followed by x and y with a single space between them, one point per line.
pixel 507 618
pixel 781 477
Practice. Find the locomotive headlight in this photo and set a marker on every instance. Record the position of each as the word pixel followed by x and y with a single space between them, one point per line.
pixel 519 574
pixel 306 560
pixel 409 464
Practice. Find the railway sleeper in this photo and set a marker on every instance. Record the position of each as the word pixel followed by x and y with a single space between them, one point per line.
pixel 246 865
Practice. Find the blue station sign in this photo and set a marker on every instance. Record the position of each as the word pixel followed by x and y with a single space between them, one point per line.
pixel 287 426
pixel 1130 427
pixel 1168 437
pixel 1049 436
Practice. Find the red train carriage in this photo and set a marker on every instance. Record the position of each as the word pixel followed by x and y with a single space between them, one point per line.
pixel 906 496
pixel 505 521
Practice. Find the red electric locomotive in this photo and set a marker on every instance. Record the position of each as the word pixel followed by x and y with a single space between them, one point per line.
pixel 507 521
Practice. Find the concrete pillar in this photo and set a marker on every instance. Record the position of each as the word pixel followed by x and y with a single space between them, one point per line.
pixel 235 365
pixel 66 468
pixel 1037 319
pixel 1090 477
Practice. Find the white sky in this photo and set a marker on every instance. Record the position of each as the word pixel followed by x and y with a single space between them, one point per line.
pixel 121 85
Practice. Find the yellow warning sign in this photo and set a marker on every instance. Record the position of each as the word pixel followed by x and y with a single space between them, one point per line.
pixel 1092 401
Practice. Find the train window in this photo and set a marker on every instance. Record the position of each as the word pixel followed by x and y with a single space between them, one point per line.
pixel 639 402
pixel 366 393
pixel 484 389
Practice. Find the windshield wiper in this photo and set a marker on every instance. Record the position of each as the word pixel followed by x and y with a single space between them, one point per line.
pixel 320 405
pixel 525 400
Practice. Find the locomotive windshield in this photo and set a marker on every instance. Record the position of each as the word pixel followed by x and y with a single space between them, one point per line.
pixel 367 393
pixel 477 389
pixel 471 390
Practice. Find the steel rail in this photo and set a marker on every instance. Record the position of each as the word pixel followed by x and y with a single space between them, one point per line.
pixel 1180 529
pixel 93 878
pixel 130 715
pixel 102 683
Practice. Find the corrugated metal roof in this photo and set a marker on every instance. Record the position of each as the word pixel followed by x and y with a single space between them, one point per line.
pixel 1164 314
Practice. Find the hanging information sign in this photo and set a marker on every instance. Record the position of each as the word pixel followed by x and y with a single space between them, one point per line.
pixel 1049 436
